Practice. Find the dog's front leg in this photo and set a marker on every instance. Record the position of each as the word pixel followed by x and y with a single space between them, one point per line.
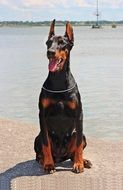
pixel 48 162
pixel 78 166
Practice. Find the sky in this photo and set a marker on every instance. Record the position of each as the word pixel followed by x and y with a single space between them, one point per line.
pixel 41 10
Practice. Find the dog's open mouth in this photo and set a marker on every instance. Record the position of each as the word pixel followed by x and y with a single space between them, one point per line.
pixel 56 64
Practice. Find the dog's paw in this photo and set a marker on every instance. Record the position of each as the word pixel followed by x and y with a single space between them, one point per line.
pixel 87 163
pixel 49 169
pixel 78 168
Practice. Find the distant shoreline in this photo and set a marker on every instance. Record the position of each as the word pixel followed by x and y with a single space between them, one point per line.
pixel 58 23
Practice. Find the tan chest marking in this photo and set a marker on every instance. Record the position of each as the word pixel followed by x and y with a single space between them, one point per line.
pixel 72 104
pixel 46 102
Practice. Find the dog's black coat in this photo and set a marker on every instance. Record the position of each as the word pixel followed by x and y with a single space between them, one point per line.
pixel 60 122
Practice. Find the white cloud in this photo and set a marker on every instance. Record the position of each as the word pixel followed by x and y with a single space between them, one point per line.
pixel 48 3
pixel 42 3
pixel 111 3
pixel 4 2
pixel 27 4
pixel 83 3
pixel 104 3
pixel 35 3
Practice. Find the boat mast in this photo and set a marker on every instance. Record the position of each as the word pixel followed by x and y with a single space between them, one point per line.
pixel 97 14
pixel 97 25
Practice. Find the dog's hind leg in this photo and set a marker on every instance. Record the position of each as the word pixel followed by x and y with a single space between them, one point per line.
pixel 38 149
pixel 71 150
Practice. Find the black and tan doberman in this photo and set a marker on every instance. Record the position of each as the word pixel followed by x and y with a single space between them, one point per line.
pixel 61 117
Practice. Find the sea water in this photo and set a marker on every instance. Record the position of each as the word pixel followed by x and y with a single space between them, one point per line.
pixel 96 63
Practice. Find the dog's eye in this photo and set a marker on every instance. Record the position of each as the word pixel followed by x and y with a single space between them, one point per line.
pixel 49 43
pixel 60 41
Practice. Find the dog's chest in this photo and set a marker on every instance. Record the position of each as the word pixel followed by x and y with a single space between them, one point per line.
pixel 62 109
pixel 60 119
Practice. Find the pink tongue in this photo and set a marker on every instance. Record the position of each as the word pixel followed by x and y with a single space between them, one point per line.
pixel 52 65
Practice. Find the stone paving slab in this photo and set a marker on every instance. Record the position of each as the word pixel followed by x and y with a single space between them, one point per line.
pixel 20 171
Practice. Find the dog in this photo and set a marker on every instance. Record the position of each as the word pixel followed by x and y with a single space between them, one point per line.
pixel 60 109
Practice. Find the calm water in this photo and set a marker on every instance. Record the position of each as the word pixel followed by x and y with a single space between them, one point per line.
pixel 96 63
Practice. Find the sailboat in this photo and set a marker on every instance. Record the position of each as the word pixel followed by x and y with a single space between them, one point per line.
pixel 97 25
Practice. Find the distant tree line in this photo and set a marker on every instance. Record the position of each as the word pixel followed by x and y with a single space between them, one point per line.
pixel 58 23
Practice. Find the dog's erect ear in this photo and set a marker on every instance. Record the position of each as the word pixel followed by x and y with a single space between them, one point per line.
pixel 52 30
pixel 69 31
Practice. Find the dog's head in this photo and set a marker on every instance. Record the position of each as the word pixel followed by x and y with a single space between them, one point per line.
pixel 58 48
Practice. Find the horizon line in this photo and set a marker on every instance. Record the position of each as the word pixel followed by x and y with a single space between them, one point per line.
pixel 60 20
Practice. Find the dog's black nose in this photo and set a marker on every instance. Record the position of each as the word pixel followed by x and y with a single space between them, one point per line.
pixel 50 53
